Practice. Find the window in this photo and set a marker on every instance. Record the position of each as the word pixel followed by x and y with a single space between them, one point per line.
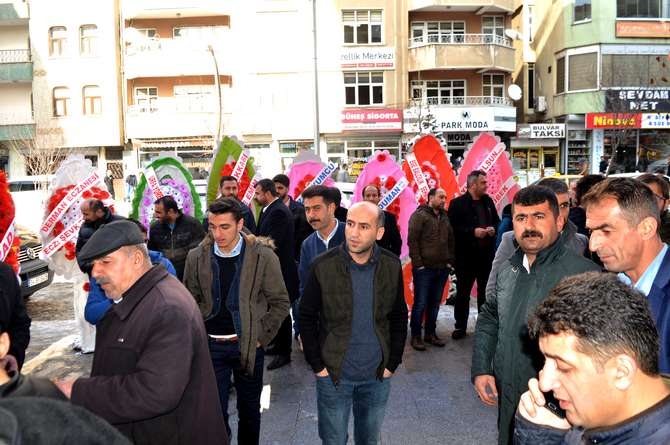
pixel 638 8
pixel 148 33
pixel 362 27
pixel 582 10
pixel 146 99
pixel 439 92
pixel 530 96
pixel 364 88
pixel 195 98
pixel 88 37
pixel 493 26
pixel 438 32
pixel 92 99
pixel 633 70
pixel 493 85
pixel 203 33
pixel 61 101
pixel 560 75
pixel 583 71
pixel 57 40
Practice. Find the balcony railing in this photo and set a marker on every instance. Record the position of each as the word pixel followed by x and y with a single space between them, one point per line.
pixel 464 100
pixel 173 105
pixel 14 56
pixel 460 39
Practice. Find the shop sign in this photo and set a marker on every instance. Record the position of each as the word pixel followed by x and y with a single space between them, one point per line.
pixel 637 100
pixel 463 119
pixel 644 29
pixel 541 131
pixel 459 138
pixel 365 58
pixel 376 119
pixel 655 120
pixel 613 120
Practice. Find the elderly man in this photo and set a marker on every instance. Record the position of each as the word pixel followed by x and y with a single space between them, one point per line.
pixel 623 218
pixel 601 366
pixel 353 318
pixel 503 357
pixel 151 376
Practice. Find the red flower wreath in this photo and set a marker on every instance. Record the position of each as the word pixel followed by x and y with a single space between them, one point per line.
pixel 244 182
pixel 7 212
pixel 302 185
pixel 387 186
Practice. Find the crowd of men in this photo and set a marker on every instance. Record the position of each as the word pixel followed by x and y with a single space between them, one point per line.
pixel 189 309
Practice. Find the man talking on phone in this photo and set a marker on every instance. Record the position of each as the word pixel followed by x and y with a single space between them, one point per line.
pixel 504 357
pixel 601 348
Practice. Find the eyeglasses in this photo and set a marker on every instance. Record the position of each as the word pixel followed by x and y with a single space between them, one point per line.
pixel 659 197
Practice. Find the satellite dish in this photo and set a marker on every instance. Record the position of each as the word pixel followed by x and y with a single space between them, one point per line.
pixel 514 91
pixel 512 34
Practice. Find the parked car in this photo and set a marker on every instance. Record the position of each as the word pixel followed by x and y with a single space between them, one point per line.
pixel 29 194
pixel 201 188
pixel 35 273
pixel 347 191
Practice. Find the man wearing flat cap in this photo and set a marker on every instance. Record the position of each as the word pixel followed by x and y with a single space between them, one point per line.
pixel 151 376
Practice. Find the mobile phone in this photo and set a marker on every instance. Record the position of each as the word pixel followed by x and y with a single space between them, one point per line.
pixel 552 405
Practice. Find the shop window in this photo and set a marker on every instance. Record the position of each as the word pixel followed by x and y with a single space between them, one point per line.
pixel 88 37
pixel 92 99
pixel 362 27
pixel 57 41
pixel 364 88
pixel 583 72
pixel 638 8
pixel 582 10
pixel 61 101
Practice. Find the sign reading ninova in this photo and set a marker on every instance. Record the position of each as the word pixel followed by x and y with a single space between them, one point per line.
pixel 637 100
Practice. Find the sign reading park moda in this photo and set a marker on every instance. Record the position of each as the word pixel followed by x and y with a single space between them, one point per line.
pixel 613 120
pixel 455 119
pixel 637 100
pixel 365 58
pixel 375 119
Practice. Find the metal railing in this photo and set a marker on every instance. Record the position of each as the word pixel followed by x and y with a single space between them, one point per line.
pixel 460 39
pixel 14 55
pixel 173 105
pixel 464 100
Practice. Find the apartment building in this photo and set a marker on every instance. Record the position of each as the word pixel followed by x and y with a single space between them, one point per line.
pixel 176 79
pixel 17 126
pixel 598 72
pixel 76 91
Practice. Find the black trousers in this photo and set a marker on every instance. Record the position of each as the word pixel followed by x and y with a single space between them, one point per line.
pixel 466 274
pixel 284 339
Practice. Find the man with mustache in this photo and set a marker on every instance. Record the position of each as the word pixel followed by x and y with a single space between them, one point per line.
pixel 504 357
pixel 623 217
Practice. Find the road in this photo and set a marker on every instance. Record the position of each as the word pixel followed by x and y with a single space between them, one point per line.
pixel 431 402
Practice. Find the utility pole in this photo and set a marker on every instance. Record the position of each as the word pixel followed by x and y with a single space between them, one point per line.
pixel 317 148
pixel 217 83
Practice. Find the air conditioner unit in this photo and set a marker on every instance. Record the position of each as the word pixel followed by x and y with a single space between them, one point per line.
pixel 541 104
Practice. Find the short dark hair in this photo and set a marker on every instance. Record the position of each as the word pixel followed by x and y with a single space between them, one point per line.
pixel 337 196
pixel 473 176
pixel 95 204
pixel 168 203
pixel 319 190
pixel 267 185
pixel 660 181
pixel 282 179
pixel 607 316
pixel 379 191
pixel 432 192
pixel 585 184
pixel 226 178
pixel 554 184
pixel 534 195
pixel 634 198
pixel 226 205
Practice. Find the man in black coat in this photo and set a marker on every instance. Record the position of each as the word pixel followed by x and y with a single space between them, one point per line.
pixel 391 240
pixel 13 315
pixel 474 218
pixel 95 214
pixel 302 227
pixel 276 222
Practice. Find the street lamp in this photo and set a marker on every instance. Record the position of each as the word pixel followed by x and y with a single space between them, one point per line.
pixel 217 83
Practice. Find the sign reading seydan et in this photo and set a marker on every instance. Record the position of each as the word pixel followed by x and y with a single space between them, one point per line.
pixel 636 100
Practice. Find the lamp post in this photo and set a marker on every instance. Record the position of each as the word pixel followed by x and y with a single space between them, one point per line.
pixel 217 83
pixel 317 148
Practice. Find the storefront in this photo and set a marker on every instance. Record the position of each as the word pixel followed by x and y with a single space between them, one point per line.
pixel 195 153
pixel 536 151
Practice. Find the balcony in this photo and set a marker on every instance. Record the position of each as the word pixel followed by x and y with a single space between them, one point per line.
pixel 170 9
pixel 464 100
pixel 172 58
pixel 12 14
pixel 171 117
pixel 15 66
pixel 461 51
pixel 477 6
pixel 16 126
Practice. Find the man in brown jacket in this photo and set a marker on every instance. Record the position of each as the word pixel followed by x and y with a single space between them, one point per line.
pixel 236 281
pixel 431 248
pixel 151 376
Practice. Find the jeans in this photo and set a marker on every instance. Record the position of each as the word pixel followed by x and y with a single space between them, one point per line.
pixel 428 288
pixel 334 404
pixel 226 361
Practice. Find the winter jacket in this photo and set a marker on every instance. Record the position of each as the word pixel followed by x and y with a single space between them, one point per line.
pixel 391 239
pixel 650 427
pixel 430 238
pixel 152 374
pixel 20 385
pixel 463 219
pixel 262 302
pixel 175 243
pixel 13 315
pixel 302 228
pixel 97 302
pixel 659 303
pixel 313 247
pixel 326 311
pixel 502 346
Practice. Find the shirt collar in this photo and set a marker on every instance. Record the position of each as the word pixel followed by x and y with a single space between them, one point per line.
pixel 647 279
pixel 236 250
pixel 330 235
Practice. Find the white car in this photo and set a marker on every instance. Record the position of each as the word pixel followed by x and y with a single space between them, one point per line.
pixel 29 194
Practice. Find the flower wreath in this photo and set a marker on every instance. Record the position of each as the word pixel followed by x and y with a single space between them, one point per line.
pixel 7 212
pixel 244 181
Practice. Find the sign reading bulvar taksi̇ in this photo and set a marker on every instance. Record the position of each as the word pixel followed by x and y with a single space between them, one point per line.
pixel 541 131
pixel 638 99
